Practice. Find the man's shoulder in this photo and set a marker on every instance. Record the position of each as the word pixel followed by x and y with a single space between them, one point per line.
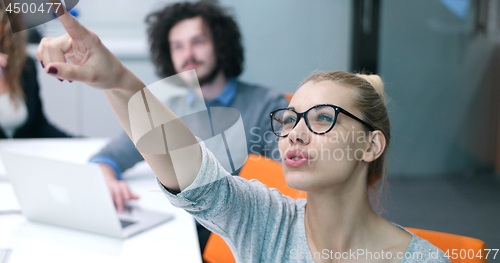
pixel 250 90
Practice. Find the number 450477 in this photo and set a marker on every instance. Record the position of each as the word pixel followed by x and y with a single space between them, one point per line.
pixel 470 254
pixel 32 8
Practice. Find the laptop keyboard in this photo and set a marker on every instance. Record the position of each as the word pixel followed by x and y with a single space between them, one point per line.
pixel 126 223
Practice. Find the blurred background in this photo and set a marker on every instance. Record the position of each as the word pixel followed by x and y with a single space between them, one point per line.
pixel 439 59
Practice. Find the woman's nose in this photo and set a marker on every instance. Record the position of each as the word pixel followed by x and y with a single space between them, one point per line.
pixel 299 134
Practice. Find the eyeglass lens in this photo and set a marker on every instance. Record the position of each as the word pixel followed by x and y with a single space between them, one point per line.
pixel 320 119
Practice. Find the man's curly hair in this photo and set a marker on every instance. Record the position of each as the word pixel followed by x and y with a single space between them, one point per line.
pixel 225 34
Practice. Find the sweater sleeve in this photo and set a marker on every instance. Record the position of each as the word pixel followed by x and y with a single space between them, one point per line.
pixel 250 217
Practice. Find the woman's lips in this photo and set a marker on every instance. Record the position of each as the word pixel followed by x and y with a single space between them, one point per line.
pixel 296 163
pixel 296 158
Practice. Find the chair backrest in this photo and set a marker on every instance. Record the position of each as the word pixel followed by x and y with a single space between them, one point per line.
pixel 268 172
pixel 450 243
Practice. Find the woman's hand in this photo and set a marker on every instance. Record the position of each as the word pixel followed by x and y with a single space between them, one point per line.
pixel 90 61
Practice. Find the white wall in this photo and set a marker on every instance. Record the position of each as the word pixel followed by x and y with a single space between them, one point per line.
pixel 284 40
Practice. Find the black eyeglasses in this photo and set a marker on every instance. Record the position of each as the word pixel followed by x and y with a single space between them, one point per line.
pixel 320 119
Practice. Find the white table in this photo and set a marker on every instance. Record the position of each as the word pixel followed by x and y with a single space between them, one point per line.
pixel 173 241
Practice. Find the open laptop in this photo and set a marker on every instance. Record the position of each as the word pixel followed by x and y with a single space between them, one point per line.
pixel 73 195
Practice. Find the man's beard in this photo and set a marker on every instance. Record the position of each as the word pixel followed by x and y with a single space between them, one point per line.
pixel 209 78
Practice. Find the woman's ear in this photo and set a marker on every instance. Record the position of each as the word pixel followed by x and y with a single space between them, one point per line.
pixel 375 147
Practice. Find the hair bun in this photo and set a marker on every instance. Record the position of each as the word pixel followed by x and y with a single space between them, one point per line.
pixel 376 83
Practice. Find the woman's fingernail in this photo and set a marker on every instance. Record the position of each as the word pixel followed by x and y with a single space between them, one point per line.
pixel 52 70
pixel 41 62
pixel 60 79
pixel 70 81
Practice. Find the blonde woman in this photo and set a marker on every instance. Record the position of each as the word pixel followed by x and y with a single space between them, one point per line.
pixel 21 112
pixel 334 224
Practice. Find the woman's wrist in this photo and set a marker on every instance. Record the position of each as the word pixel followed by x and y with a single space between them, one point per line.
pixel 126 84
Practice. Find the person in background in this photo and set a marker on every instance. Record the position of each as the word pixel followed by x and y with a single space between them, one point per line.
pixel 200 36
pixel 21 112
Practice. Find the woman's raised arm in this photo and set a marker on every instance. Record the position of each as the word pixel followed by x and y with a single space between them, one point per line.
pixel 138 111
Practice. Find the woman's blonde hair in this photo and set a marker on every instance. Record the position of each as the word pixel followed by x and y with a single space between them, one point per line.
pixel 13 45
pixel 369 99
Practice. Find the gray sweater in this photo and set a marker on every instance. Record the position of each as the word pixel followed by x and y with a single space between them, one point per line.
pixel 260 224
